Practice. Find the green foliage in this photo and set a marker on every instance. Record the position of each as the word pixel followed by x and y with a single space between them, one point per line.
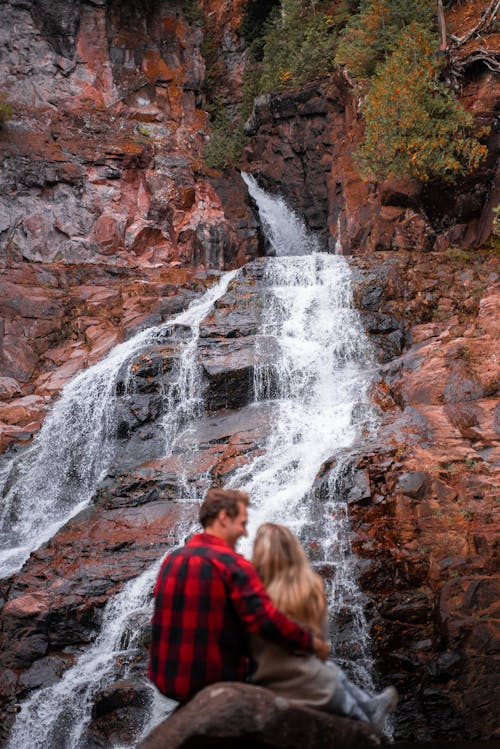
pixel 496 220
pixel 414 125
pixel 371 32
pixel 6 110
pixel 193 11
pixel 253 25
pixel 226 142
pixel 299 45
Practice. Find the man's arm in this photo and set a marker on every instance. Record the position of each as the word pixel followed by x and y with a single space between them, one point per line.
pixel 259 614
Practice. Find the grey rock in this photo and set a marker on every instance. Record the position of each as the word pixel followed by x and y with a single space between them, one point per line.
pixel 45 671
pixel 412 483
pixel 360 487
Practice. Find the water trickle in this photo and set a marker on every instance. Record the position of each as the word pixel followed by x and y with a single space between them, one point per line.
pixel 58 716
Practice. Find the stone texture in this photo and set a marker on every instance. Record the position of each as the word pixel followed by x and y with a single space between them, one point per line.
pixel 108 221
pixel 102 181
pixel 230 714
pixel 427 535
pixel 421 492
pixel 302 146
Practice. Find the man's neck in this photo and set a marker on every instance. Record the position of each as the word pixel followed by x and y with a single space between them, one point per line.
pixel 218 533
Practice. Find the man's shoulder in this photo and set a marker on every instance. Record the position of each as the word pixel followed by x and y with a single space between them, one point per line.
pixel 218 554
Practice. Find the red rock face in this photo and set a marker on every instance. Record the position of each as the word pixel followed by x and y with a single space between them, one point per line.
pixel 422 491
pixel 102 183
pixel 108 221
pixel 428 523
pixel 104 164
pixel 302 147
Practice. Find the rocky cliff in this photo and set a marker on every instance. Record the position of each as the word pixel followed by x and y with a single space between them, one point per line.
pixel 109 220
pixel 103 187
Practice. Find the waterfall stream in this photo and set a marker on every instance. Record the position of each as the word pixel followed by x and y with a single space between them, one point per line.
pixel 60 472
pixel 318 386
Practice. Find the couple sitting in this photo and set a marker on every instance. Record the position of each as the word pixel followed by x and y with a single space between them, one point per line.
pixel 215 612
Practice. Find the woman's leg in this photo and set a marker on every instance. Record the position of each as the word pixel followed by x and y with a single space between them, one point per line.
pixel 348 699
pixel 352 701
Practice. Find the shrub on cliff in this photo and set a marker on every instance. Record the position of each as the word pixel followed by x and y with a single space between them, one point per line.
pixel 6 110
pixel 414 124
pixel 298 46
pixel 370 33
pixel 226 143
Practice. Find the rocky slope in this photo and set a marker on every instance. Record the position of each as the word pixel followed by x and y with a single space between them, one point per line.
pixel 104 191
pixel 422 490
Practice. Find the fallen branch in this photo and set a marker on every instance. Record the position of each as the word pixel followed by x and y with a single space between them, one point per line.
pixel 488 57
pixel 486 20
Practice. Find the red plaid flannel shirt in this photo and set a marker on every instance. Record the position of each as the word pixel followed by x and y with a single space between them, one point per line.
pixel 206 598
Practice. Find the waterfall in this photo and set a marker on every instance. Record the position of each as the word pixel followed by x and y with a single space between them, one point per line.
pixel 318 386
pixel 56 717
pixel 60 472
pixel 285 231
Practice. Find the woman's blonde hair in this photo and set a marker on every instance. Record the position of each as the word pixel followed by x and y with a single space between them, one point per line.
pixel 288 577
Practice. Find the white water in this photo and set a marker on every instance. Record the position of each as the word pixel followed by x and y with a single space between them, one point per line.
pixel 286 232
pixel 58 476
pixel 56 717
pixel 319 385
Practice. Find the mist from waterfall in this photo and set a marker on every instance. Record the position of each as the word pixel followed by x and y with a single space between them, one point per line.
pixel 318 386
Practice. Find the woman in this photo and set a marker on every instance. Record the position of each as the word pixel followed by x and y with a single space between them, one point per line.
pixel 298 591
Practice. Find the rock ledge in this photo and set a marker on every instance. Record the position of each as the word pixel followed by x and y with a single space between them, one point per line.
pixel 226 713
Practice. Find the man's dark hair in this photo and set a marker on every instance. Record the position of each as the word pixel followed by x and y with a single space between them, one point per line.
pixel 221 499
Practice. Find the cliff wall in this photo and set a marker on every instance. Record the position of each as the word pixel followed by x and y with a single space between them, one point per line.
pixel 103 188
pixel 109 220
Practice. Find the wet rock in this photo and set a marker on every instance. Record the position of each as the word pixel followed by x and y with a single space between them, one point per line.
pixel 359 487
pixel 118 713
pixel 44 672
pixel 429 582
pixel 411 483
pixel 227 714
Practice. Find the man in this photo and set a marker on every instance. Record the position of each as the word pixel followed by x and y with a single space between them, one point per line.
pixel 207 597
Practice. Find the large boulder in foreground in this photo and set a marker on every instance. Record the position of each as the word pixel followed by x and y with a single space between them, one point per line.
pixel 231 714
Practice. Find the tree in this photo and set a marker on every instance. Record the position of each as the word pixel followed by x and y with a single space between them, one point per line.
pixel 370 33
pixel 414 125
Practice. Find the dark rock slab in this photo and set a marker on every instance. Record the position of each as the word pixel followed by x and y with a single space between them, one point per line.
pixel 231 714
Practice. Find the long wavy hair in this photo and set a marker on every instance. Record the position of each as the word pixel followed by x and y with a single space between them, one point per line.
pixel 291 583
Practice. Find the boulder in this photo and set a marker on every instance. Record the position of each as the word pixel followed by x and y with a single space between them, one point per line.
pixel 230 714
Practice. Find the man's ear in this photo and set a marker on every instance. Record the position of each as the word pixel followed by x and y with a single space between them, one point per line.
pixel 222 517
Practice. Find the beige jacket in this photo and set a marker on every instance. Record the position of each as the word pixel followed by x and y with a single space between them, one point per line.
pixel 300 677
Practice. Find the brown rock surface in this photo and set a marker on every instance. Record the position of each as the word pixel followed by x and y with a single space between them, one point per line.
pixel 302 145
pixel 103 184
pixel 428 527
pixel 107 215
pixel 230 714
pixel 422 497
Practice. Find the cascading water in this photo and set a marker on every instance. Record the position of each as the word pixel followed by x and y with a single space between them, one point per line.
pixel 57 716
pixel 59 474
pixel 318 385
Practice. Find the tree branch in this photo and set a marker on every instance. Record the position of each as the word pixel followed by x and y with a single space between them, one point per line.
pixel 487 18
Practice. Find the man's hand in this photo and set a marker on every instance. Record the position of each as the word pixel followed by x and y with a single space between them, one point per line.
pixel 321 648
